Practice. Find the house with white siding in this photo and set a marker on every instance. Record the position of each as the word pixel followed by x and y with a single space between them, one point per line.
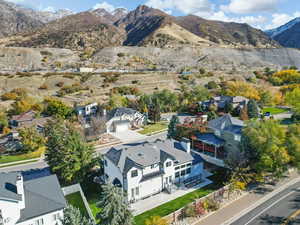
pixel 34 202
pixel 148 168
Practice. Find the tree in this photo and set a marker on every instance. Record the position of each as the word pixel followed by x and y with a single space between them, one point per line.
pixel 264 144
pixel 31 140
pixel 293 144
pixel 252 109
pixel 293 99
pixel 239 88
pixel 154 111
pixel 67 154
pixel 244 113
pixel 72 216
pixel 172 127
pixel 3 121
pixel 228 107
pixel 156 220
pixel 114 207
pixel 56 108
pixel 117 100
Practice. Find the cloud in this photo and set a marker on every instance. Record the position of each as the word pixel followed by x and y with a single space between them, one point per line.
pixel 16 1
pixel 184 6
pixel 250 6
pixel 105 5
pixel 279 19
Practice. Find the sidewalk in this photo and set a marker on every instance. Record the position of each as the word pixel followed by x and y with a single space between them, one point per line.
pixel 226 213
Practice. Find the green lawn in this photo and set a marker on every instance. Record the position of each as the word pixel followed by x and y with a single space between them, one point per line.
pixel 76 201
pixel 152 128
pixel 20 163
pixel 21 157
pixel 172 206
pixel 274 110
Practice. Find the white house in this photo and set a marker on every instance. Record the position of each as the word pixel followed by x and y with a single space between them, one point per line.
pixel 87 110
pixel 34 202
pixel 147 168
pixel 122 119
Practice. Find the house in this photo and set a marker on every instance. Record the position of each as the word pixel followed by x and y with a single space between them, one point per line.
pixel 238 102
pixel 29 119
pixel 122 119
pixel 87 110
pixel 148 168
pixel 38 201
pixel 223 135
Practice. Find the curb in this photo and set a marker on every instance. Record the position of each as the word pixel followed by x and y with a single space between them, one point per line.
pixel 261 201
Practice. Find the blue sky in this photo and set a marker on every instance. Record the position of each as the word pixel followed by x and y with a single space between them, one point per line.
pixel 263 14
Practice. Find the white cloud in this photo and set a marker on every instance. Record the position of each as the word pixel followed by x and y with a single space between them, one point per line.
pixel 49 9
pixel 184 6
pixel 279 19
pixel 105 5
pixel 250 6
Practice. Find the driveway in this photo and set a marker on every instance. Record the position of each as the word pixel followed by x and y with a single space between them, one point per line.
pixel 128 136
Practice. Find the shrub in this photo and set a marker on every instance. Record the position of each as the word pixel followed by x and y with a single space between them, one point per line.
pixel 60 84
pixel 199 209
pixel 211 205
pixel 212 85
pixel 9 96
pixel 43 87
pixel 121 54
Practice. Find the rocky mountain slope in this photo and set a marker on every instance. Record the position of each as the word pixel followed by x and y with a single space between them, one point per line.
pixel 287 35
pixel 230 34
pixel 143 26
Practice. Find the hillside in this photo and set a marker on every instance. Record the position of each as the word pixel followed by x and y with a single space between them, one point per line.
pixel 288 35
pixel 230 34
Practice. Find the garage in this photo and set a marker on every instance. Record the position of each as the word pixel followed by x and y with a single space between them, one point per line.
pixel 121 126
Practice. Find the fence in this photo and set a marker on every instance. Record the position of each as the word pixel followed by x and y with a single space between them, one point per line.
pixel 203 206
pixel 77 188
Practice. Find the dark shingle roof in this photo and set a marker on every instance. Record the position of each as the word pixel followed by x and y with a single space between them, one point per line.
pixel 8 188
pixel 146 154
pixel 228 123
pixel 42 196
pixel 120 112
pixel 210 139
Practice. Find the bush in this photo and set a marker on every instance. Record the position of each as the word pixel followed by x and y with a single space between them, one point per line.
pixel 211 205
pixel 60 84
pixel 9 96
pixel 43 87
pixel 212 85
pixel 121 54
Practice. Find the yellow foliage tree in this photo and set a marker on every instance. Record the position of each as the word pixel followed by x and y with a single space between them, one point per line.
pixel 240 88
pixel 156 220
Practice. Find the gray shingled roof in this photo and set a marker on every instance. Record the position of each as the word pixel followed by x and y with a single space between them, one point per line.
pixel 8 188
pixel 210 139
pixel 228 123
pixel 42 196
pixel 146 154
pixel 120 112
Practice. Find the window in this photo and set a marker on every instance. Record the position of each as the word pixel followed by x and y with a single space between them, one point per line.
pixel 237 137
pixel 132 192
pixel 177 167
pixel 56 216
pixel 137 191
pixel 177 174
pixel 134 173
pixel 217 133
pixel 188 171
pixel 189 164
pixel 182 173
pixel 39 222
pixel 153 166
pixel 183 166
pixel 168 164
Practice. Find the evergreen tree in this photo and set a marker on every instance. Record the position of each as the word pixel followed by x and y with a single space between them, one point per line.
pixel 72 216
pixel 252 109
pixel 172 133
pixel 114 207
pixel 67 154
pixel 228 107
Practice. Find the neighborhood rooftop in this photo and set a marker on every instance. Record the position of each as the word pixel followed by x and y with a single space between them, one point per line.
pixel 8 186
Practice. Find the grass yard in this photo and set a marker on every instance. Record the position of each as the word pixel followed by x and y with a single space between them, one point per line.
pixel 152 128
pixel 76 201
pixel 20 163
pixel 16 158
pixel 274 110
pixel 169 207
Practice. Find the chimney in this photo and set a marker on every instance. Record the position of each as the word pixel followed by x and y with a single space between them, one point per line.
pixel 186 144
pixel 20 190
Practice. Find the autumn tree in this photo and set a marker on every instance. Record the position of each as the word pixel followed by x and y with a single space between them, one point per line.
pixel 31 140
pixel 56 108
pixel 293 144
pixel 239 88
pixel 156 220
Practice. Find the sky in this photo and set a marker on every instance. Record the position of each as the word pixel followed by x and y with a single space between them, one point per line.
pixel 262 14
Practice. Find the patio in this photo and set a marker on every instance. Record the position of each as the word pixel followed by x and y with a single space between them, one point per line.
pixel 164 197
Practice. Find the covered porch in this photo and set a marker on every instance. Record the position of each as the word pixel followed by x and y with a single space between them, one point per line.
pixel 209 144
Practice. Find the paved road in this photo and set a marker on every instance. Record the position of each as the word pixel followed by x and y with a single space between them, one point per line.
pixel 275 210
pixel 41 165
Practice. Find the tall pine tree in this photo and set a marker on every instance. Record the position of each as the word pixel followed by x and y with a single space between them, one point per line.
pixel 252 109
pixel 172 133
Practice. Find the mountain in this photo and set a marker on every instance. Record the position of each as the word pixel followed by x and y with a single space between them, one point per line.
pixel 287 35
pixel 77 32
pixel 14 20
pixel 112 17
pixel 147 26
pixel 224 33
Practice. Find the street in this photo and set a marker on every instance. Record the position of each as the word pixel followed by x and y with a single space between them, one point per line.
pixel 275 210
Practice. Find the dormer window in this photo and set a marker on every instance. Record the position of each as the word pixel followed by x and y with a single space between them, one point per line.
pixel 168 164
pixel 134 173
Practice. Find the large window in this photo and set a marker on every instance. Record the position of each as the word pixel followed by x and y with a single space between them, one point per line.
pixel 177 167
pixel 188 171
pixel 182 173
pixel 168 164
pixel 177 174
pixel 137 191
pixel 134 173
